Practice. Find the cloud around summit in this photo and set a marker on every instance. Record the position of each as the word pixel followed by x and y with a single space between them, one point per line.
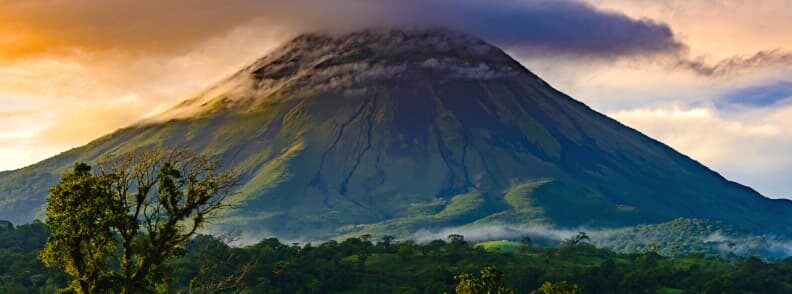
pixel 175 26
pixel 148 28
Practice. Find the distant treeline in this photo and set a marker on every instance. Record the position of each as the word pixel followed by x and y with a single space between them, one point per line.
pixel 384 265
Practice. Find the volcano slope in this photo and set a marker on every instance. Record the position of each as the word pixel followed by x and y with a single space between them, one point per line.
pixel 394 131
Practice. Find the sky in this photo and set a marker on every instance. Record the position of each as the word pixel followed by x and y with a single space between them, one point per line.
pixel 711 78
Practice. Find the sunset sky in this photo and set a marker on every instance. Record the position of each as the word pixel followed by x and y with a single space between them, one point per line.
pixel 711 78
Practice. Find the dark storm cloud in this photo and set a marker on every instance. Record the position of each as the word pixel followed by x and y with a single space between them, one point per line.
pixel 566 28
pixel 172 26
pixel 530 27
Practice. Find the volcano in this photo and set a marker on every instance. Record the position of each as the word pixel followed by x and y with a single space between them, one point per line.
pixel 395 131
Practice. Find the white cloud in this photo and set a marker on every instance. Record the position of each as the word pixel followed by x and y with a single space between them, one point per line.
pixel 497 232
pixel 751 147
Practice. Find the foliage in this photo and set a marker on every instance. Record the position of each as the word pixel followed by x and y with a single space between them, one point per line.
pixel 112 231
pixel 80 215
pixel 209 265
pixel 488 282
pixel 684 235
pixel 20 270
pixel 561 287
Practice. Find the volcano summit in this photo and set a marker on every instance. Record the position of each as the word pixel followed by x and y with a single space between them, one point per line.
pixel 393 131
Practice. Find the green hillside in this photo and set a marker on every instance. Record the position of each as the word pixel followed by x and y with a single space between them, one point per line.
pixel 398 131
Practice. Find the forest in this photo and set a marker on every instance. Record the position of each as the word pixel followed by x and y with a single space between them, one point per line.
pixel 383 265
pixel 132 224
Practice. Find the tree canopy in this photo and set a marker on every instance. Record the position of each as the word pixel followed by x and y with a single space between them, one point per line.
pixel 112 229
pixel 209 265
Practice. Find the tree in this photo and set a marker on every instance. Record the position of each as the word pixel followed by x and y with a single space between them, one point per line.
pixel 527 241
pixel 561 287
pixel 456 238
pixel 525 244
pixel 6 225
pixel 80 218
pixel 435 247
pixel 489 282
pixel 468 284
pixel 580 238
pixel 222 269
pixel 386 241
pixel 144 205
pixel 491 278
pixel 406 249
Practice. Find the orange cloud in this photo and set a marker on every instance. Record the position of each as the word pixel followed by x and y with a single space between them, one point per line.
pixel 173 26
pixel 55 99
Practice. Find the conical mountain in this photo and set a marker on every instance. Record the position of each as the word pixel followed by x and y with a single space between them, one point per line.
pixel 393 131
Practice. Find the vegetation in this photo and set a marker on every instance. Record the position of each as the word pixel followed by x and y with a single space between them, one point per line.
pixel 683 235
pixel 113 230
pixel 365 265
pixel 20 269
pixel 130 227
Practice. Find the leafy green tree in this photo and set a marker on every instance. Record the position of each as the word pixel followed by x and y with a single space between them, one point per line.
pixel 434 247
pixel 492 280
pixel 112 230
pixel 640 281
pixel 80 216
pixel 561 287
pixel 468 284
pixel 644 277
pixel 223 270
pixel 489 282
pixel 721 284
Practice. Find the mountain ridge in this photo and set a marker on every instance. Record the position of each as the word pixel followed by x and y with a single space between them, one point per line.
pixel 398 130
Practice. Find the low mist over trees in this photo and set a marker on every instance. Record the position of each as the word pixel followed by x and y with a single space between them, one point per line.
pixel 382 265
